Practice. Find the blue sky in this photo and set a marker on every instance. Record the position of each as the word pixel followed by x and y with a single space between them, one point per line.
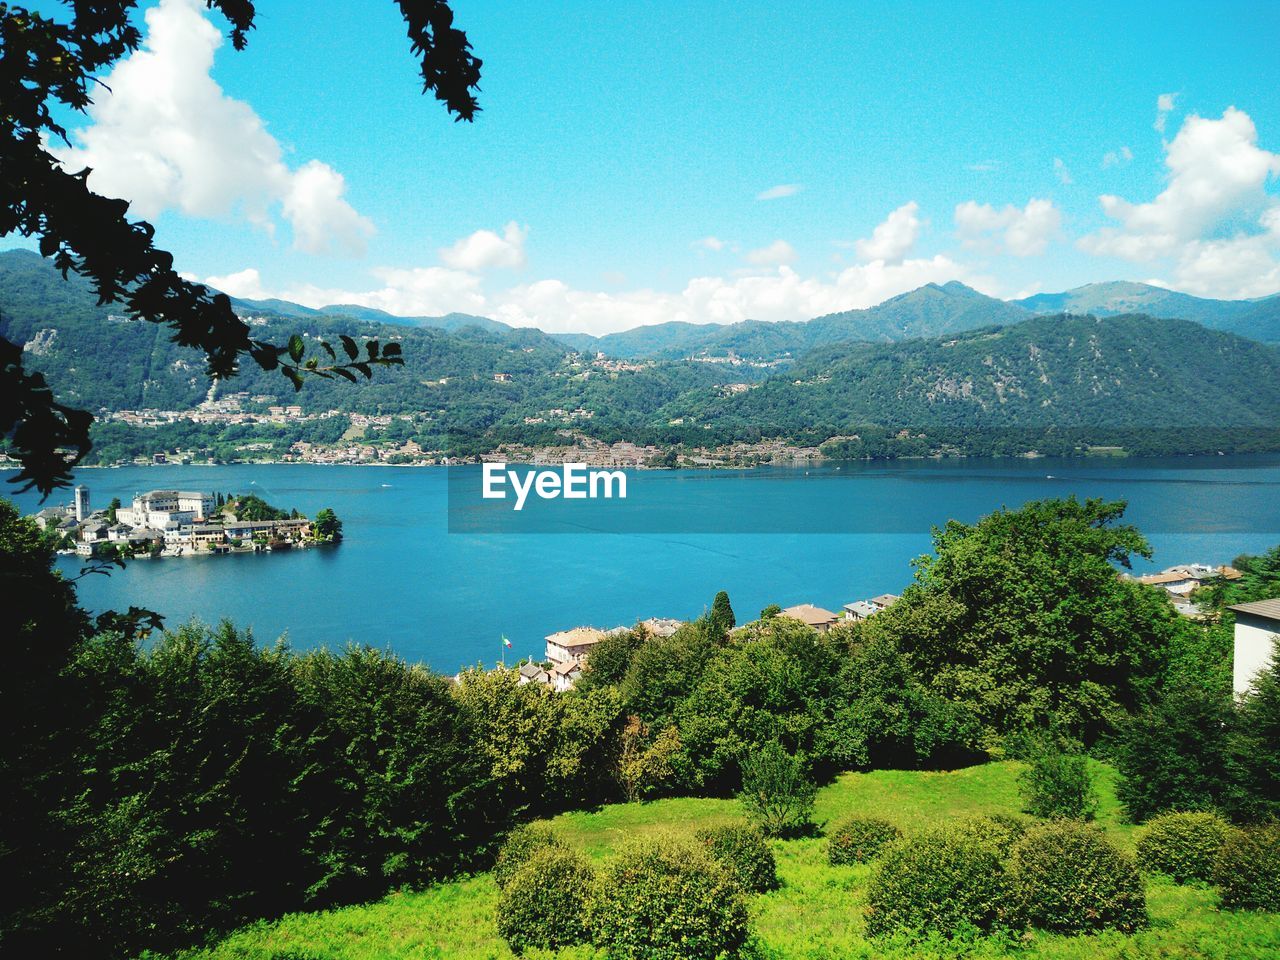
pixel 705 161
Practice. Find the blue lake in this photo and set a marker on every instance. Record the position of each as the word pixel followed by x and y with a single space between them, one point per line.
pixel 402 580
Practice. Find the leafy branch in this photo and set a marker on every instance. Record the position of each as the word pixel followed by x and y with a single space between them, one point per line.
pixel 48 64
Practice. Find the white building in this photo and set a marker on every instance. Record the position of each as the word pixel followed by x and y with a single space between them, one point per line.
pixel 573 646
pixel 82 503
pixel 1257 632
pixel 159 508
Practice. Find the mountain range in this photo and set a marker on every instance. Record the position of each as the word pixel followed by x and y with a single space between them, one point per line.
pixel 930 311
pixel 943 365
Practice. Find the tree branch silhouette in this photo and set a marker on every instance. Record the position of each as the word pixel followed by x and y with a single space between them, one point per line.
pixel 45 63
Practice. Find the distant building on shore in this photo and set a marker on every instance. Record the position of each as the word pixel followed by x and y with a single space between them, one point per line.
pixel 81 507
pixel 816 617
pixel 573 646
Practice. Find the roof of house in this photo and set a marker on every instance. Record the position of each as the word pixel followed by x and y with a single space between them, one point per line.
pixel 577 637
pixel 808 613
pixel 662 626
pixel 1270 609
pixel 566 667
pixel 863 608
pixel 1157 579
pixel 531 670
pixel 885 600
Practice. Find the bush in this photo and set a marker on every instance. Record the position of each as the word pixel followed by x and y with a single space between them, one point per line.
pixel 859 839
pixel 999 831
pixel 776 793
pixel 1068 877
pixel 743 852
pixel 1182 845
pixel 662 899
pixel 1247 869
pixel 521 844
pixel 1057 786
pixel 544 904
pixel 943 881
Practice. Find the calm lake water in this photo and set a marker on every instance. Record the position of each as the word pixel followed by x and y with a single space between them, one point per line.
pixel 402 580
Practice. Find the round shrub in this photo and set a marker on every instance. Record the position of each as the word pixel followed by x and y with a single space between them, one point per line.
pixel 999 831
pixel 544 903
pixel 859 839
pixel 521 844
pixel 665 899
pixel 1247 869
pixel 743 851
pixel 1067 877
pixel 944 881
pixel 1182 845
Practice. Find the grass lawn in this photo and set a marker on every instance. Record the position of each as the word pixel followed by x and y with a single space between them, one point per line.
pixel 817 913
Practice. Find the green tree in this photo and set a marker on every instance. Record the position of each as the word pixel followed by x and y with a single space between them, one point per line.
pixel 722 618
pixel 645 760
pixel 40 705
pixel 1022 619
pixel 326 527
pixel 1171 754
pixel 776 794
pixel 611 657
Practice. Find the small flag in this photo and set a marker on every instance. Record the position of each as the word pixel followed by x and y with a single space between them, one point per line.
pixel 505 641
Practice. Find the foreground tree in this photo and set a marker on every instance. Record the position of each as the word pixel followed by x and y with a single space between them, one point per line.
pixel 1023 619
pixel 48 66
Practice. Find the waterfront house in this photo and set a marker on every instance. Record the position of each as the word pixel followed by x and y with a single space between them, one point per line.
pixel 860 610
pixel 884 601
pixel 1257 633
pixel 661 626
pixel 565 675
pixel 816 617
pixel 573 646
pixel 533 673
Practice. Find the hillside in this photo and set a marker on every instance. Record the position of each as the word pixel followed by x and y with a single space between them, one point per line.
pixel 1128 373
pixel 1256 319
pixel 817 912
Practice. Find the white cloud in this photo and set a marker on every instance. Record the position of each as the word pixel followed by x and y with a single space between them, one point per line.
pixel 485 249
pixel 1164 107
pixel 775 254
pixel 246 284
pixel 780 191
pixel 711 243
pixel 1214 223
pixel 322 221
pixel 1062 173
pixel 419 291
pixel 166 137
pixel 1023 232
pixel 553 305
pixel 1114 158
pixel 893 239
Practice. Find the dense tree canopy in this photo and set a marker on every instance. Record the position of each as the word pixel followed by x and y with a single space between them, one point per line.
pixel 1023 618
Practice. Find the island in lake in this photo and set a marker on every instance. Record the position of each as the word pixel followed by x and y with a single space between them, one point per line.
pixel 183 523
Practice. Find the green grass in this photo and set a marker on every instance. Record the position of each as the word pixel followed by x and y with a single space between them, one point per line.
pixel 815 915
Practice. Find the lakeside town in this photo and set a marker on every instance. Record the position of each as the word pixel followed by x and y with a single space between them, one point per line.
pixel 371 439
pixel 568 652
pixel 182 523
